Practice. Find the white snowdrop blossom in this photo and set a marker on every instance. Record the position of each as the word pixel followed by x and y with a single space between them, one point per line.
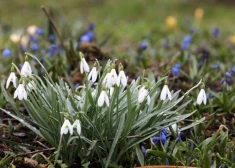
pixel 143 93
pixel 111 90
pixel 103 98
pixel 93 75
pixel 148 100
pixel 201 97
pixel 84 66
pixel 66 127
pixel 165 93
pixel 20 92
pixel 77 124
pixel 122 79
pixel 26 69
pixel 12 78
pixel 32 30
pixel 110 79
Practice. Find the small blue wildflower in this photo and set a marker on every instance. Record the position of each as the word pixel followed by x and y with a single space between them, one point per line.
pixel 178 139
pixel 33 39
pixel 187 39
pixel 85 38
pixel 175 71
pixel 216 32
pixel 143 151
pixel 185 46
pixel 164 130
pixel 233 71
pixel 6 52
pixel 143 46
pixel 76 85
pixel 40 32
pixel 23 49
pixel 177 65
pixel 91 35
pixel 216 66
pixel 163 138
pixel 51 38
pixel 156 140
pixel 192 31
pixel 228 74
pixel 91 27
pixel 34 47
pixel 181 134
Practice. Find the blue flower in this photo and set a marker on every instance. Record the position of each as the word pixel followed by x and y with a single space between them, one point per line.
pixel 91 35
pixel 91 27
pixel 143 46
pixel 228 74
pixel 23 49
pixel 178 139
pixel 51 38
pixel 191 148
pixel 215 32
pixel 143 151
pixel 85 38
pixel 181 134
pixel 185 46
pixel 177 66
pixel 76 85
pixel 34 47
pixel 233 71
pixel 156 140
pixel 163 138
pixel 187 39
pixel 40 32
pixel 164 130
pixel 175 71
pixel 33 39
pixel 216 66
pixel 6 52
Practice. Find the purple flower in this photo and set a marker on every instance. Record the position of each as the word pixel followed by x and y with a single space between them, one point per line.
pixel 23 49
pixel 175 71
pixel 187 39
pixel 163 138
pixel 91 35
pixel 215 32
pixel 228 74
pixel 164 130
pixel 233 71
pixel 143 46
pixel 181 134
pixel 91 27
pixel 178 139
pixel 34 47
pixel 156 140
pixel 6 52
pixel 143 151
pixel 51 38
pixel 216 66
pixel 85 38
pixel 33 39
pixel 185 46
pixel 76 85
pixel 40 32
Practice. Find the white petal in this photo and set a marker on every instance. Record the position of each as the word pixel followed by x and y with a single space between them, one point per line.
pixel 164 93
pixel 66 127
pixel 111 90
pixel 26 69
pixel 123 78
pixel 106 99
pixel 204 99
pixel 81 67
pixel 148 100
pixel 94 76
pixel 16 92
pixel 169 94
pixel 142 94
pixel 200 97
pixel 15 81
pixel 85 65
pixel 101 99
pixel 77 124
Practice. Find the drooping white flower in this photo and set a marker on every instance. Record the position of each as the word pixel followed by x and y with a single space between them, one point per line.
pixel 143 93
pixel 110 79
pixel 77 124
pixel 111 90
pixel 122 79
pixel 26 69
pixel 165 93
pixel 84 66
pixel 201 97
pixel 12 78
pixel 103 98
pixel 32 30
pixel 93 75
pixel 20 92
pixel 148 100
pixel 66 127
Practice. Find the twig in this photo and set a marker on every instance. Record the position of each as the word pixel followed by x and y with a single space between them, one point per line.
pixel 58 34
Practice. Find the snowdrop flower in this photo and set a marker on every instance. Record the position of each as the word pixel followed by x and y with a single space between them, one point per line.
pixel 143 93
pixel 111 90
pixel 93 75
pixel 83 65
pixel 66 127
pixel 112 78
pixel 122 79
pixel 165 93
pixel 201 97
pixel 26 69
pixel 12 78
pixel 103 98
pixel 20 92
pixel 77 124
pixel 32 30
pixel 148 100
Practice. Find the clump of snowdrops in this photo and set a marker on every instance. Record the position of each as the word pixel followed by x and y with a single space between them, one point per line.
pixel 101 122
